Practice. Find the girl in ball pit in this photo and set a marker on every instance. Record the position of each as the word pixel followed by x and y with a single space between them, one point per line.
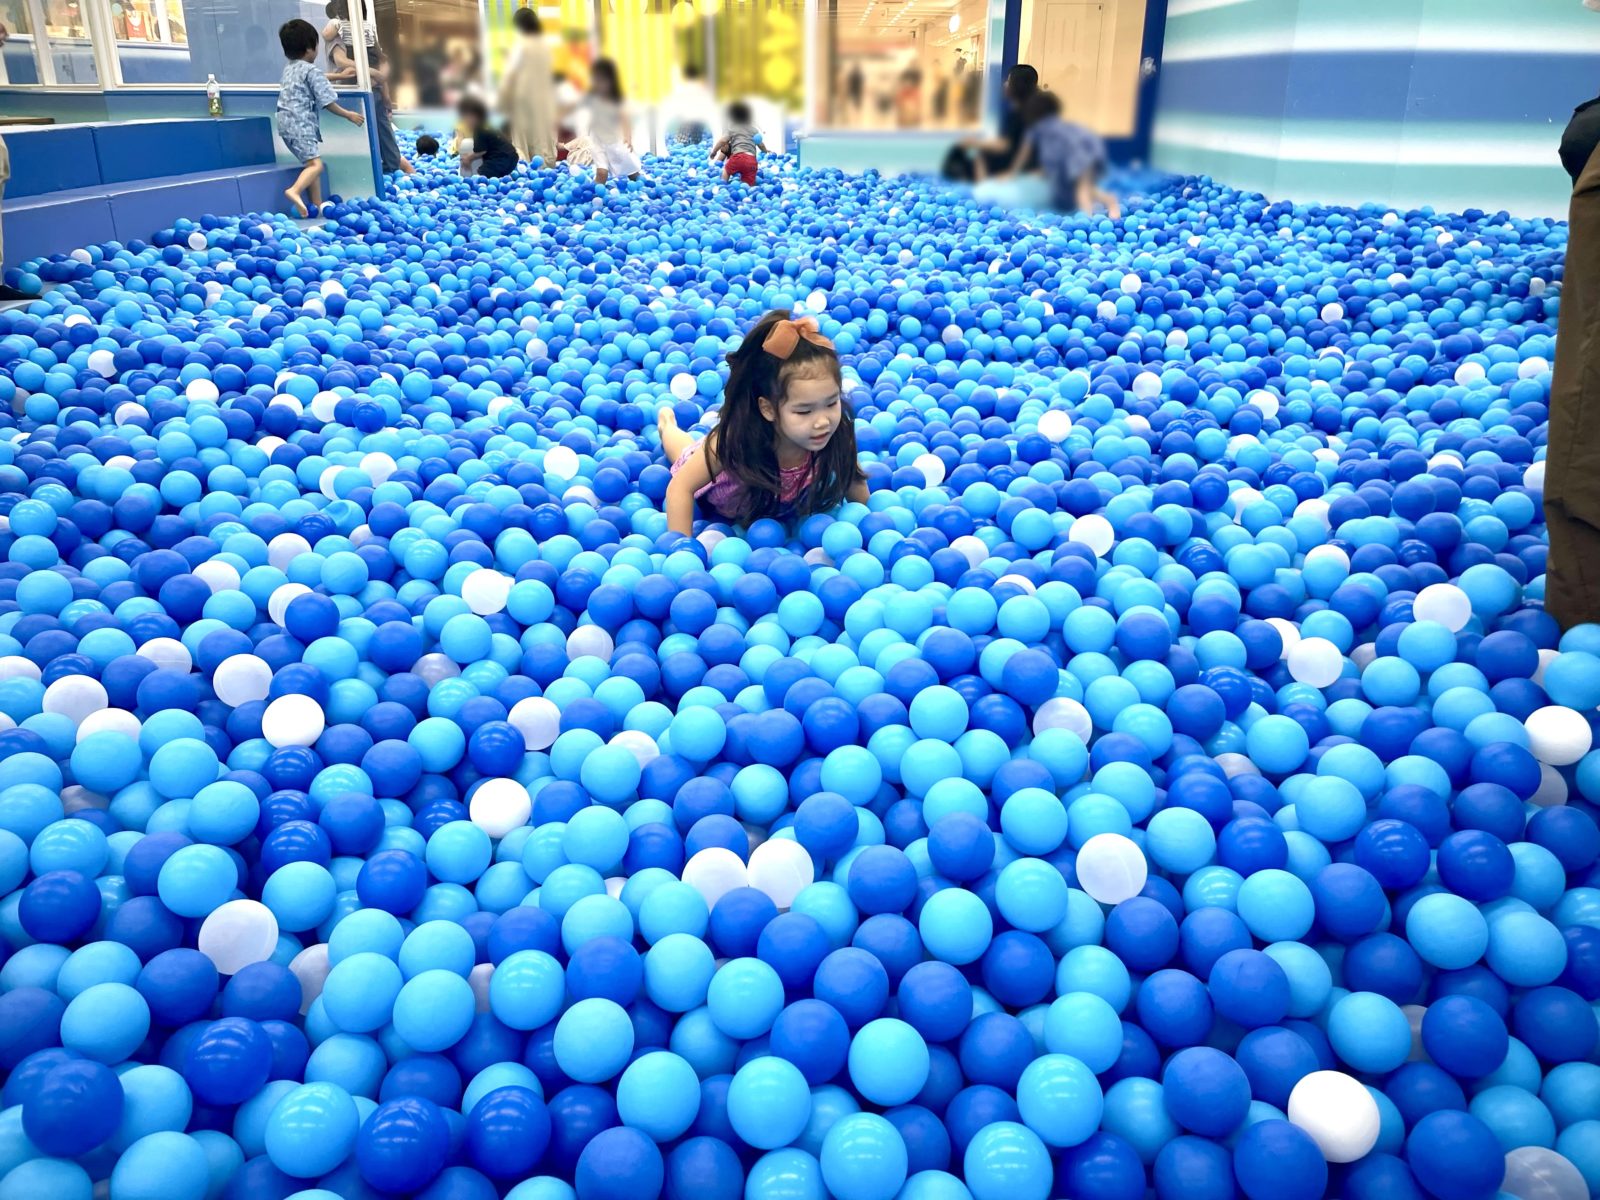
pixel 785 440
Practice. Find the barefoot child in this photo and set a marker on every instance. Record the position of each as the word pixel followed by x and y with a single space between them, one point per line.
pixel 785 441
pixel 302 95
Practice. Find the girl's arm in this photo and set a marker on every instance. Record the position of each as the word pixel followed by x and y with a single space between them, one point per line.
pixel 858 491
pixel 691 477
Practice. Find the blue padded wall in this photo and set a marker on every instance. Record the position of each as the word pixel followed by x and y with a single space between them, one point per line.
pixel 145 149
pixel 49 158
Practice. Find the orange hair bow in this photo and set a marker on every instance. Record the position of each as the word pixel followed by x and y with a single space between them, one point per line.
pixel 786 335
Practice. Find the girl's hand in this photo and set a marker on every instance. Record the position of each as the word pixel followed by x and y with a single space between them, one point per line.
pixel 691 477
pixel 357 119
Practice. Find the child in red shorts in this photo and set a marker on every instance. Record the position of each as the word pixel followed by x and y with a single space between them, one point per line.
pixel 739 145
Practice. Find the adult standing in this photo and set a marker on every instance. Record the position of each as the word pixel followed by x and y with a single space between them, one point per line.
pixel 1572 465
pixel 339 37
pixel 527 91
pixel 7 292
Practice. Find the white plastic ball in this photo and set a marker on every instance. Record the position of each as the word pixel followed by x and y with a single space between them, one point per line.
pixel 278 602
pixel 1131 283
pixel 1445 603
pixel 378 466
pixel 432 668
pixel 781 868
pixel 485 591
pixel 110 720
pixel 241 678
pixel 479 978
pixel 1063 712
pixel 1288 631
pixel 102 363
pixel 1055 425
pixel 561 461
pixel 236 934
pixel 1332 312
pixel 639 744
pixel 1539 1173
pixel 1557 735
pixel 1533 477
pixel 1552 789
pixel 1234 765
pixel 1316 661
pixel 1112 868
pixel 201 389
pixel 75 696
pixel 1469 372
pixel 1532 368
pixel 311 968
pixel 716 871
pixel 500 805
pixel 1338 1112
pixel 1265 402
pixel 683 386
pixel 590 641
pixel 169 654
pixel 1146 385
pixel 538 720
pixel 219 576
pixel 1095 532
pixel 324 404
pixel 285 548
pixel 1019 581
pixel 932 468
pixel 76 798
pixel 293 720
pixel 14 666
pixel 969 547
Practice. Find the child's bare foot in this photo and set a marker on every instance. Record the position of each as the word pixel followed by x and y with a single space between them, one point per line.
pixel 299 204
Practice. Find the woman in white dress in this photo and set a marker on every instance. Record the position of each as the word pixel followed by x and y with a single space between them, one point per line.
pixel 527 91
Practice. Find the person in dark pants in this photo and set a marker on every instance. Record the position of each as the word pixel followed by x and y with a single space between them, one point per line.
pixel 1572 464
pixel 975 159
pixel 486 151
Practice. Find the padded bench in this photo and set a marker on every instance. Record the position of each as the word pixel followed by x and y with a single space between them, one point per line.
pixel 62 221
pixel 79 184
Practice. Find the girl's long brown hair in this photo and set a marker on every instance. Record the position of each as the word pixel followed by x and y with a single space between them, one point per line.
pixel 744 441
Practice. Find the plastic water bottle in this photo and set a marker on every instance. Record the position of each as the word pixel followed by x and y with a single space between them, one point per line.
pixel 213 96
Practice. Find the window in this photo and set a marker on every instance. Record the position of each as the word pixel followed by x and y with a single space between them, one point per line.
pixel 900 64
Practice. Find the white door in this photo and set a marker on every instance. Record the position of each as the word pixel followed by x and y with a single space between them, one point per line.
pixel 1067 49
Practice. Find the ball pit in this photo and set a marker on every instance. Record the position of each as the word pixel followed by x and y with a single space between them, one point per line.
pixel 1169 780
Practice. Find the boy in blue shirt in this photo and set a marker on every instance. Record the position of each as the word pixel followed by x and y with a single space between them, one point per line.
pixel 302 95
pixel 1069 157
